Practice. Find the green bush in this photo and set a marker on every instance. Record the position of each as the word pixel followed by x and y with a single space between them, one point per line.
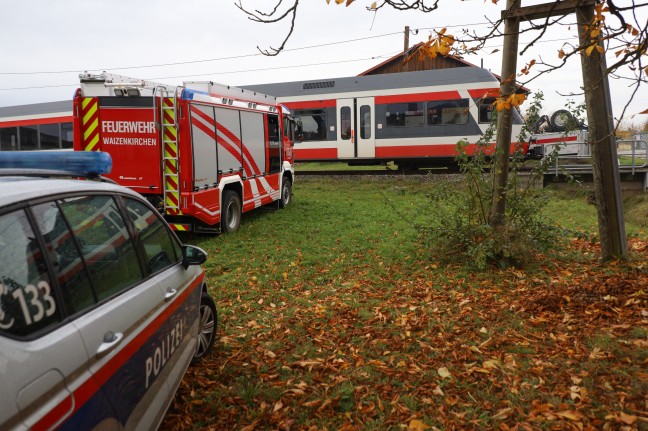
pixel 457 224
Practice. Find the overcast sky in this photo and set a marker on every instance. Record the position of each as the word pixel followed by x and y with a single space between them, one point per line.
pixel 46 44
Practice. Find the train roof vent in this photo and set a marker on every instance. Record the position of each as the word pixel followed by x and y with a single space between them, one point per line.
pixel 319 84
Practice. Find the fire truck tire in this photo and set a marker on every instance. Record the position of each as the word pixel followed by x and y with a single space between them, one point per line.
pixel 208 324
pixel 560 120
pixel 286 193
pixel 231 212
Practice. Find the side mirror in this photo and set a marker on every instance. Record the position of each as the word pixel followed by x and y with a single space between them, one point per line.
pixel 192 255
pixel 300 137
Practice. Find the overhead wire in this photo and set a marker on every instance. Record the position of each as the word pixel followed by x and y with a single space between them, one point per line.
pixel 236 57
pixel 387 55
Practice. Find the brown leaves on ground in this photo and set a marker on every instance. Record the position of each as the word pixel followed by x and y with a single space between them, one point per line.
pixel 563 347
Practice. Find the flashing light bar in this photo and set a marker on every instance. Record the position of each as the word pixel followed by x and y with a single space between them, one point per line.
pixel 80 163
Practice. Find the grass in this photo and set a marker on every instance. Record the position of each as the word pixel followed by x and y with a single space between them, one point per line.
pixel 574 210
pixel 333 316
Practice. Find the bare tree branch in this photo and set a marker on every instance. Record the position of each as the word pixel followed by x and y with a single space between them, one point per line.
pixel 624 34
pixel 273 17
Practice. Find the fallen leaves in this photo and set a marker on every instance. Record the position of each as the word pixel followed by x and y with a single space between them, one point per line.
pixel 444 373
pixel 561 348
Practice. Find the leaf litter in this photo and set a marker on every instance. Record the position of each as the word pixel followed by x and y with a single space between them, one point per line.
pixel 563 347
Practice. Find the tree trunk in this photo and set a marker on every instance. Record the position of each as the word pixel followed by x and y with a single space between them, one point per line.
pixel 505 117
pixel 602 142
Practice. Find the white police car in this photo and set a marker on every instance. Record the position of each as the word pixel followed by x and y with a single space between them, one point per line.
pixel 101 307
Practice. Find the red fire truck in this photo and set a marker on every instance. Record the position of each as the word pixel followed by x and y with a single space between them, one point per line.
pixel 202 153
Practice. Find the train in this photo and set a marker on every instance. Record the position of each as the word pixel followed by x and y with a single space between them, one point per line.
pixel 413 119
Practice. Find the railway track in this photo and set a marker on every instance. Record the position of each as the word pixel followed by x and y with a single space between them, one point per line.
pixel 375 172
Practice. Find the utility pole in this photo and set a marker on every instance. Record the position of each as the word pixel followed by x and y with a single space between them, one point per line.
pixel 599 117
pixel 406 48
pixel 406 39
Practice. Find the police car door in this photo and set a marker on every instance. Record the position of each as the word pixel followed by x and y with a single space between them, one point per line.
pixel 167 353
pixel 128 306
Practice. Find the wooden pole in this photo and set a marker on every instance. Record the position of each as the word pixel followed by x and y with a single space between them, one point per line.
pixel 602 142
pixel 505 116
pixel 406 40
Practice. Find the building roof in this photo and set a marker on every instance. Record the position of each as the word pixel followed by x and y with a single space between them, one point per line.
pixel 397 64
pixel 400 57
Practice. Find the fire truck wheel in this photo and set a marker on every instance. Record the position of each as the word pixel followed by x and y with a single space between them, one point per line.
pixel 231 212
pixel 560 120
pixel 207 327
pixel 286 193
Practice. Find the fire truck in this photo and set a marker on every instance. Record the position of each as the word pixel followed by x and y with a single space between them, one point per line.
pixel 202 153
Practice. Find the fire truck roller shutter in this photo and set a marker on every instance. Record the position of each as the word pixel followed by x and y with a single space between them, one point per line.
pixel 253 138
pixel 228 132
pixel 203 132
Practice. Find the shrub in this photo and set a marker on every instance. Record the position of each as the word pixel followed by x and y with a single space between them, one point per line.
pixel 457 223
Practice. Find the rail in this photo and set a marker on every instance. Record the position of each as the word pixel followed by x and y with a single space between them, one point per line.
pixel 632 154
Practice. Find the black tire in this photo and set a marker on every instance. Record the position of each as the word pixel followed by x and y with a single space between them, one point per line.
pixel 207 327
pixel 230 212
pixel 560 120
pixel 286 193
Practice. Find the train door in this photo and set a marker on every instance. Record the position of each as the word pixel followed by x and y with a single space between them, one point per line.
pixel 356 137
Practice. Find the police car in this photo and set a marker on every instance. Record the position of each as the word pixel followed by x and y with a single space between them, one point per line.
pixel 101 308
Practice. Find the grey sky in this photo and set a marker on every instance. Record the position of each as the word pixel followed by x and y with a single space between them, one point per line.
pixel 173 41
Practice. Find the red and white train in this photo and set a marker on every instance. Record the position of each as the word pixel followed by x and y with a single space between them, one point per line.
pixel 203 153
pixel 414 119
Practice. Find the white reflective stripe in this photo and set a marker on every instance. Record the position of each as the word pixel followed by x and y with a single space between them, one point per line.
pixel 268 188
pixel 211 213
pixel 255 192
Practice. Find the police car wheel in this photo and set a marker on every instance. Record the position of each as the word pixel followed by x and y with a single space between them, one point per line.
pixel 286 193
pixel 207 327
pixel 231 212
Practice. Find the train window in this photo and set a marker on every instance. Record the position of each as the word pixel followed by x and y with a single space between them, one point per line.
pixel 49 136
pixel 345 122
pixel 404 114
pixel 365 122
pixel 8 139
pixel 486 109
pixel 28 137
pixel 313 124
pixel 447 112
pixel 66 135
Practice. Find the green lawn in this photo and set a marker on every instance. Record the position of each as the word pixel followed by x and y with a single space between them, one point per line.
pixel 333 316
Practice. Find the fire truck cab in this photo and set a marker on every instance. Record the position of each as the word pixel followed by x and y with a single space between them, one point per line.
pixel 202 153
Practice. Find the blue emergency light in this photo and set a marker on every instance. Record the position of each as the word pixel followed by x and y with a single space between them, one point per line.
pixel 81 163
